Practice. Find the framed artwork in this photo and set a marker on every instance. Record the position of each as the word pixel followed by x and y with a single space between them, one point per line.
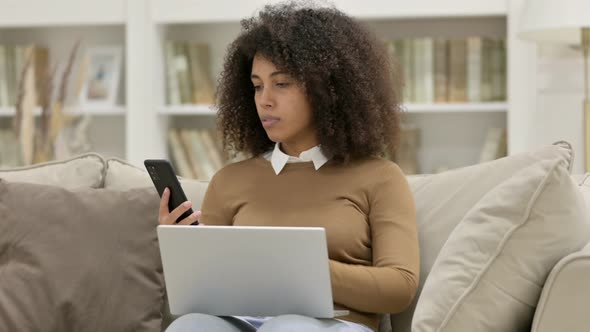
pixel 103 72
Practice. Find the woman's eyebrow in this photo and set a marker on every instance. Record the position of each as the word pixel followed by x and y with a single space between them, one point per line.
pixel 279 72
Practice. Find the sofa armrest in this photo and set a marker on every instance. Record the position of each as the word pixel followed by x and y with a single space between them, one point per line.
pixel 563 305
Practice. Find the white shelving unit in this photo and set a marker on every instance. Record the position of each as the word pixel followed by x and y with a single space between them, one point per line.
pixel 466 108
pixel 39 13
pixel 189 110
pixel 58 25
pixel 137 129
pixel 91 111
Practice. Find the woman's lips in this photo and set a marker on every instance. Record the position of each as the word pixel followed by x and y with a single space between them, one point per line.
pixel 268 122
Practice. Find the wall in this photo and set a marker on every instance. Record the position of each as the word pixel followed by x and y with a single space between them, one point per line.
pixel 560 95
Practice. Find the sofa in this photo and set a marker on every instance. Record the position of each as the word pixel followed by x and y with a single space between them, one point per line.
pixel 504 247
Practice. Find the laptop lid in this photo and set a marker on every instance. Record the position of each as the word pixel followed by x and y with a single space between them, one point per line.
pixel 246 271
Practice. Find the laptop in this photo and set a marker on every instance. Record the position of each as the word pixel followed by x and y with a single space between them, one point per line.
pixel 247 271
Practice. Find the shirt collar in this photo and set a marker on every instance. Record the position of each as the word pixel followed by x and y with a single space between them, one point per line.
pixel 279 159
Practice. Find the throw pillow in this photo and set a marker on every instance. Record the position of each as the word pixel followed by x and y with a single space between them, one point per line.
pixel 442 200
pixel 491 270
pixel 122 175
pixel 85 170
pixel 79 260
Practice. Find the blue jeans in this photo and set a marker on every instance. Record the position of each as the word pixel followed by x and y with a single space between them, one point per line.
pixel 285 323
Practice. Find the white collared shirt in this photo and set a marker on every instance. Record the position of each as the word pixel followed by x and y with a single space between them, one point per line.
pixel 279 159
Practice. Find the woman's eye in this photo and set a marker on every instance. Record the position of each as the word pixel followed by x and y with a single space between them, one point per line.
pixel 257 88
pixel 283 84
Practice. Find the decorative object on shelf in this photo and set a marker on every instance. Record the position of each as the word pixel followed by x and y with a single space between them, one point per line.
pixel 12 61
pixel 36 142
pixel 102 69
pixel 565 21
pixel 73 139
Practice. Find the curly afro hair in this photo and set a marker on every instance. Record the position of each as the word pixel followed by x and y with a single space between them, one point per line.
pixel 343 67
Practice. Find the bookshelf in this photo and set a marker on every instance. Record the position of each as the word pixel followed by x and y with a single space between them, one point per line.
pixel 188 110
pixel 75 111
pixel 38 13
pixel 216 26
pixel 57 26
pixel 137 127
pixel 467 108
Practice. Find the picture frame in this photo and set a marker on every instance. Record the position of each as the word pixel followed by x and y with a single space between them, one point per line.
pixel 102 66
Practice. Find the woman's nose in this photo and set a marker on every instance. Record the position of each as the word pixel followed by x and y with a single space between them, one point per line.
pixel 266 98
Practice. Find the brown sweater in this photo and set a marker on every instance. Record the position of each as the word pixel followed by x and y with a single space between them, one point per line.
pixel 366 208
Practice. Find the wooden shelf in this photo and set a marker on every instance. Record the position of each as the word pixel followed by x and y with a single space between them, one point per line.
pixel 198 109
pixel 495 107
pixel 98 110
pixel 94 111
pixel 188 11
pixel 34 13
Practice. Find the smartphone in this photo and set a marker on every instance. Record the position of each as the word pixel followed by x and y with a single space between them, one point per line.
pixel 163 175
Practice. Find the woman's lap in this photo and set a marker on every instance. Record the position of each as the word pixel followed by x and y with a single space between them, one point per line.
pixel 285 323
pixel 208 323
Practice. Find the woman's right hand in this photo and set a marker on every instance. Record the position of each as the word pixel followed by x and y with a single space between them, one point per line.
pixel 168 218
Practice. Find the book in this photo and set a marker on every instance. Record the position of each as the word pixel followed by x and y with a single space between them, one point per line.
pixel 172 89
pixel 457 71
pixel 3 77
pixel 183 72
pixel 406 155
pixel 211 149
pixel 409 69
pixel 441 70
pixel 486 93
pixel 177 154
pixel 190 155
pixel 202 86
pixel 498 76
pixel 474 68
pixel 200 157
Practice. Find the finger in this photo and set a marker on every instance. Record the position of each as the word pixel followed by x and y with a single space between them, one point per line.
pixel 190 219
pixel 163 211
pixel 176 213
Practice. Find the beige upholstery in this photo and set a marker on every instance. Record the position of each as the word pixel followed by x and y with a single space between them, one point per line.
pixel 489 274
pixel 563 305
pixel 122 175
pixel 85 171
pixel 79 259
pixel 443 200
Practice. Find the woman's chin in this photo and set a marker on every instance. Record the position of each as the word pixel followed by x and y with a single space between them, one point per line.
pixel 273 137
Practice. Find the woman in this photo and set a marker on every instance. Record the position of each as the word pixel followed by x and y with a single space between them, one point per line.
pixel 308 93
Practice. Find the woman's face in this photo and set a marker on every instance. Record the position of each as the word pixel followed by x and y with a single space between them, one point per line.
pixel 283 107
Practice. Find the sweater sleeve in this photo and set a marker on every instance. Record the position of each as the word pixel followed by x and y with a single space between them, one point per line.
pixel 390 284
pixel 215 210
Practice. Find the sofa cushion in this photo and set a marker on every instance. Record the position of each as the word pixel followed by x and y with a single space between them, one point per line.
pixel 442 200
pixel 491 270
pixel 563 305
pixel 85 170
pixel 121 175
pixel 78 260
